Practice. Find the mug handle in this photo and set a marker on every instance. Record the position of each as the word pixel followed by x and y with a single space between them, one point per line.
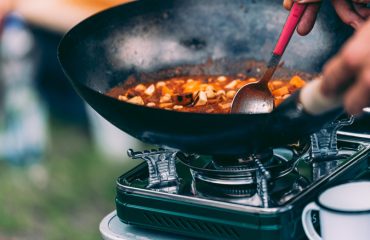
pixel 307 221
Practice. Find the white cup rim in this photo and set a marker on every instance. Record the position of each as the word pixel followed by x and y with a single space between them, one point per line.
pixel 342 211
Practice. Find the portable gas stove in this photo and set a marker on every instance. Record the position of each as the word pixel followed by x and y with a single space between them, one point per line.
pixel 257 197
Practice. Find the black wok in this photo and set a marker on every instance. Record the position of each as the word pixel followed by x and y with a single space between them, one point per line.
pixel 141 40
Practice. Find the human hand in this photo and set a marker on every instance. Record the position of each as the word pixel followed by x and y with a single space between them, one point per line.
pixel 348 73
pixel 352 12
pixel 308 19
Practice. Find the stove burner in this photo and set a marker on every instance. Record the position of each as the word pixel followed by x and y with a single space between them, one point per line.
pixel 239 172
pixel 246 181
pixel 224 191
pixel 242 163
pixel 258 195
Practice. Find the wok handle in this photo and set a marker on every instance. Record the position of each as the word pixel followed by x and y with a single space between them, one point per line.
pixel 315 102
pixel 305 112
pixel 291 24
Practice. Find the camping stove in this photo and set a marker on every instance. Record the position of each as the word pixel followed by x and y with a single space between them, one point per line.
pixel 257 197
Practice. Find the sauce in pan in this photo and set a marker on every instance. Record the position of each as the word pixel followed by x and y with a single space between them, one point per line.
pixel 205 94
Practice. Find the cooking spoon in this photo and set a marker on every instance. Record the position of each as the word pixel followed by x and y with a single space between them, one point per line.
pixel 256 97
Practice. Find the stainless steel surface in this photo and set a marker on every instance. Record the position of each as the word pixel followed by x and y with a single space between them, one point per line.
pixel 244 180
pixel 364 136
pixel 324 142
pixel 263 176
pixel 161 164
pixel 111 228
pixel 321 169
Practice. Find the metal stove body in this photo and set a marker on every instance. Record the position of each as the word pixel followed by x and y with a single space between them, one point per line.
pixel 259 197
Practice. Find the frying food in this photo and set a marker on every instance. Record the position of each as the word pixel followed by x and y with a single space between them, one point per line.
pixel 205 94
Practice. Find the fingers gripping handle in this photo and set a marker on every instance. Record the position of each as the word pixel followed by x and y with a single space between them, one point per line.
pixel 291 24
pixel 313 100
pixel 307 221
pixel 307 1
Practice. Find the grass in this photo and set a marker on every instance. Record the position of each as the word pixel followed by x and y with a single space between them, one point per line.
pixel 63 197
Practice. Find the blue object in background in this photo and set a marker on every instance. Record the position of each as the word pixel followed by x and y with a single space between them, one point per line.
pixel 23 129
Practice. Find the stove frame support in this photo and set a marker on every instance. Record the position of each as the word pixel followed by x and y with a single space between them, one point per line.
pixel 324 148
pixel 161 164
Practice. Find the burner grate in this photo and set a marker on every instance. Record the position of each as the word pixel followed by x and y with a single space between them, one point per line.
pixel 241 172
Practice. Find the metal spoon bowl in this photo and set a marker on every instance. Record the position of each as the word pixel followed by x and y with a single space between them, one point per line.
pixel 256 98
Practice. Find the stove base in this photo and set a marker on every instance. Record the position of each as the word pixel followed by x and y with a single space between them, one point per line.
pixel 176 209
pixel 111 228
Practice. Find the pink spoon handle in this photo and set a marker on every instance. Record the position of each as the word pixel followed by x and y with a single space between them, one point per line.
pixel 291 24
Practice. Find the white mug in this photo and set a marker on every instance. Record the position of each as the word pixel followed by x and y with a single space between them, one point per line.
pixel 344 213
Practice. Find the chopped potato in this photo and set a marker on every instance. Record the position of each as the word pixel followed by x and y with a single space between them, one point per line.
pixel 150 90
pixel 210 91
pixel 276 84
pixel 122 98
pixel 140 88
pixel 165 99
pixel 231 94
pixel 191 86
pixel 281 91
pixel 136 100
pixel 160 84
pixel 165 90
pixel 297 82
pixel 222 79
pixel 202 99
pixel 225 105
pixel 232 85
pixel 178 107
pixel 166 105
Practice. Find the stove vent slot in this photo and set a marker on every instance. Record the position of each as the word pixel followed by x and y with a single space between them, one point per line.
pixel 186 225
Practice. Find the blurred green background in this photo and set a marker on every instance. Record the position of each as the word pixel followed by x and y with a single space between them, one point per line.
pixel 64 196
pixel 58 159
